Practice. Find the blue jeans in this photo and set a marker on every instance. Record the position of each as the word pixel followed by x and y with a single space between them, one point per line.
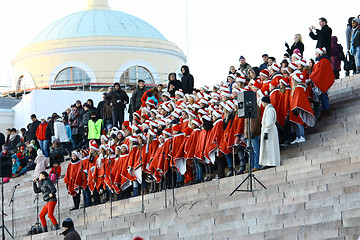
pixel 199 170
pixel 299 130
pixel 255 151
pixel 357 58
pixel 180 178
pixel 229 159
pixel 324 98
pixel 44 146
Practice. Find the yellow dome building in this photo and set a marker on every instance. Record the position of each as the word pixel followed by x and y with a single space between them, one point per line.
pixel 95 48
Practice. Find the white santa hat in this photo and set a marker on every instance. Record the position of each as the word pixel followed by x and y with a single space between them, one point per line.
pixel 217 114
pixel 298 77
pixel 293 66
pixel 297 56
pixel 179 92
pixel 225 93
pixel 321 50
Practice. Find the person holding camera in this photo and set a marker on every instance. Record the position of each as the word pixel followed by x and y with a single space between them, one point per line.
pixel 44 185
pixel 323 35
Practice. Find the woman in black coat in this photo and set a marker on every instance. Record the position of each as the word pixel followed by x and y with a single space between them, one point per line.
pixel 173 84
pixel 298 44
pixel 48 190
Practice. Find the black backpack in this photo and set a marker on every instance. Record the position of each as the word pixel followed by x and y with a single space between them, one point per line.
pixel 340 53
pixel 35 229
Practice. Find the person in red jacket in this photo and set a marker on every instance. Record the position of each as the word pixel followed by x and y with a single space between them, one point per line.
pixel 40 135
pixel 322 77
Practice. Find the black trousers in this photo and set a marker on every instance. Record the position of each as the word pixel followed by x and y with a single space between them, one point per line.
pixel 76 200
pixel 118 118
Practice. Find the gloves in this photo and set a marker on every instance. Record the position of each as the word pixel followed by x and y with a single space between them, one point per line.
pixel 265 136
pixel 286 45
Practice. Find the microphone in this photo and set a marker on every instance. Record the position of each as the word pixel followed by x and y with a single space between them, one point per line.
pixel 16 185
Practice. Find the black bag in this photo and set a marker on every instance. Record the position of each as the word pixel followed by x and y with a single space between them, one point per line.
pixel 349 62
pixel 35 229
pixel 340 53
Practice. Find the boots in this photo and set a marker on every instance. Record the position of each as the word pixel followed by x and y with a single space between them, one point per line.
pixel 231 172
pixel 45 229
pixel 57 227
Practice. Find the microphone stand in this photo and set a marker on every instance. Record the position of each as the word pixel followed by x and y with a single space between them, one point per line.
pixel 142 180
pixel 58 189
pixel 12 209
pixel 82 181
pixel 165 178
pixel 172 179
pixel 111 211
pixel 3 227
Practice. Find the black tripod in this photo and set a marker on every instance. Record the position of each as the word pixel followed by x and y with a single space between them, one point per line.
pixel 12 208
pixel 250 176
pixel 3 227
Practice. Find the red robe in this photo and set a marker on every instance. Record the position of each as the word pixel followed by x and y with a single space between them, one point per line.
pixel 223 146
pixel 213 141
pixel 160 162
pixel 109 163
pixel 72 172
pixel 300 103
pixel 200 145
pixel 322 75
pixel 150 152
pixel 177 158
pixel 236 129
pixel 190 145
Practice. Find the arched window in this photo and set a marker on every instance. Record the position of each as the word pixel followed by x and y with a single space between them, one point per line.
pixel 133 74
pixel 72 75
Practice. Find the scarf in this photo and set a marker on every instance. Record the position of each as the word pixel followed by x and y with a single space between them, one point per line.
pixel 353 35
pixel 13 136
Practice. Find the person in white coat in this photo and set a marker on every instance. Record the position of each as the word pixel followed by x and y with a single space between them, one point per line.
pixel 60 134
pixel 269 140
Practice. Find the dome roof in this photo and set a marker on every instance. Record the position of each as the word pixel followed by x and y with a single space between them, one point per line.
pixel 98 22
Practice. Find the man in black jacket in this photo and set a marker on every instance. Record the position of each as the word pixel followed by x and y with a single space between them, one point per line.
pixel 323 36
pixel 70 233
pixel 136 96
pixel 187 80
pixel 33 127
pixel 118 100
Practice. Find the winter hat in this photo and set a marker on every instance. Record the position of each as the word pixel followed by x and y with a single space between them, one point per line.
pixel 240 79
pixel 40 153
pixel 42 117
pixel 93 145
pixel 321 50
pixel 197 122
pixel 206 88
pixel 232 76
pixel 217 114
pixel 167 132
pixel 275 67
pixel 125 146
pixel 152 132
pixel 257 84
pixel 68 223
pixel 76 153
pixel 266 99
pixel 357 20
pixel 179 92
pixel 84 152
pixel 137 114
pixel 302 62
pixel 166 94
pixel 298 77
pixel 202 112
pixel 105 138
pixel 203 101
pixel 226 93
pixel 285 81
pixel 126 123
pixel 297 56
pixel 293 66
pixel 241 57
pixel 150 102
pixel 265 73
pixel 206 117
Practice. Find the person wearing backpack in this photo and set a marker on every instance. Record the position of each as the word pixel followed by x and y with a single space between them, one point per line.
pixel 337 55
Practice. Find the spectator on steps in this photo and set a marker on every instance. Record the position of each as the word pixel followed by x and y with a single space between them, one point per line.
pixel 337 55
pixel 70 233
pixel 55 172
pixel 33 127
pixel 41 162
pixel 173 84
pixel 14 139
pixel 264 65
pixel 187 80
pixel 47 188
pixel 349 64
pixel 41 136
pixel 355 43
pixel 298 44
pixel 323 36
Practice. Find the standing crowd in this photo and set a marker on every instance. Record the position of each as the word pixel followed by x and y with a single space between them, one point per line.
pixel 183 135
